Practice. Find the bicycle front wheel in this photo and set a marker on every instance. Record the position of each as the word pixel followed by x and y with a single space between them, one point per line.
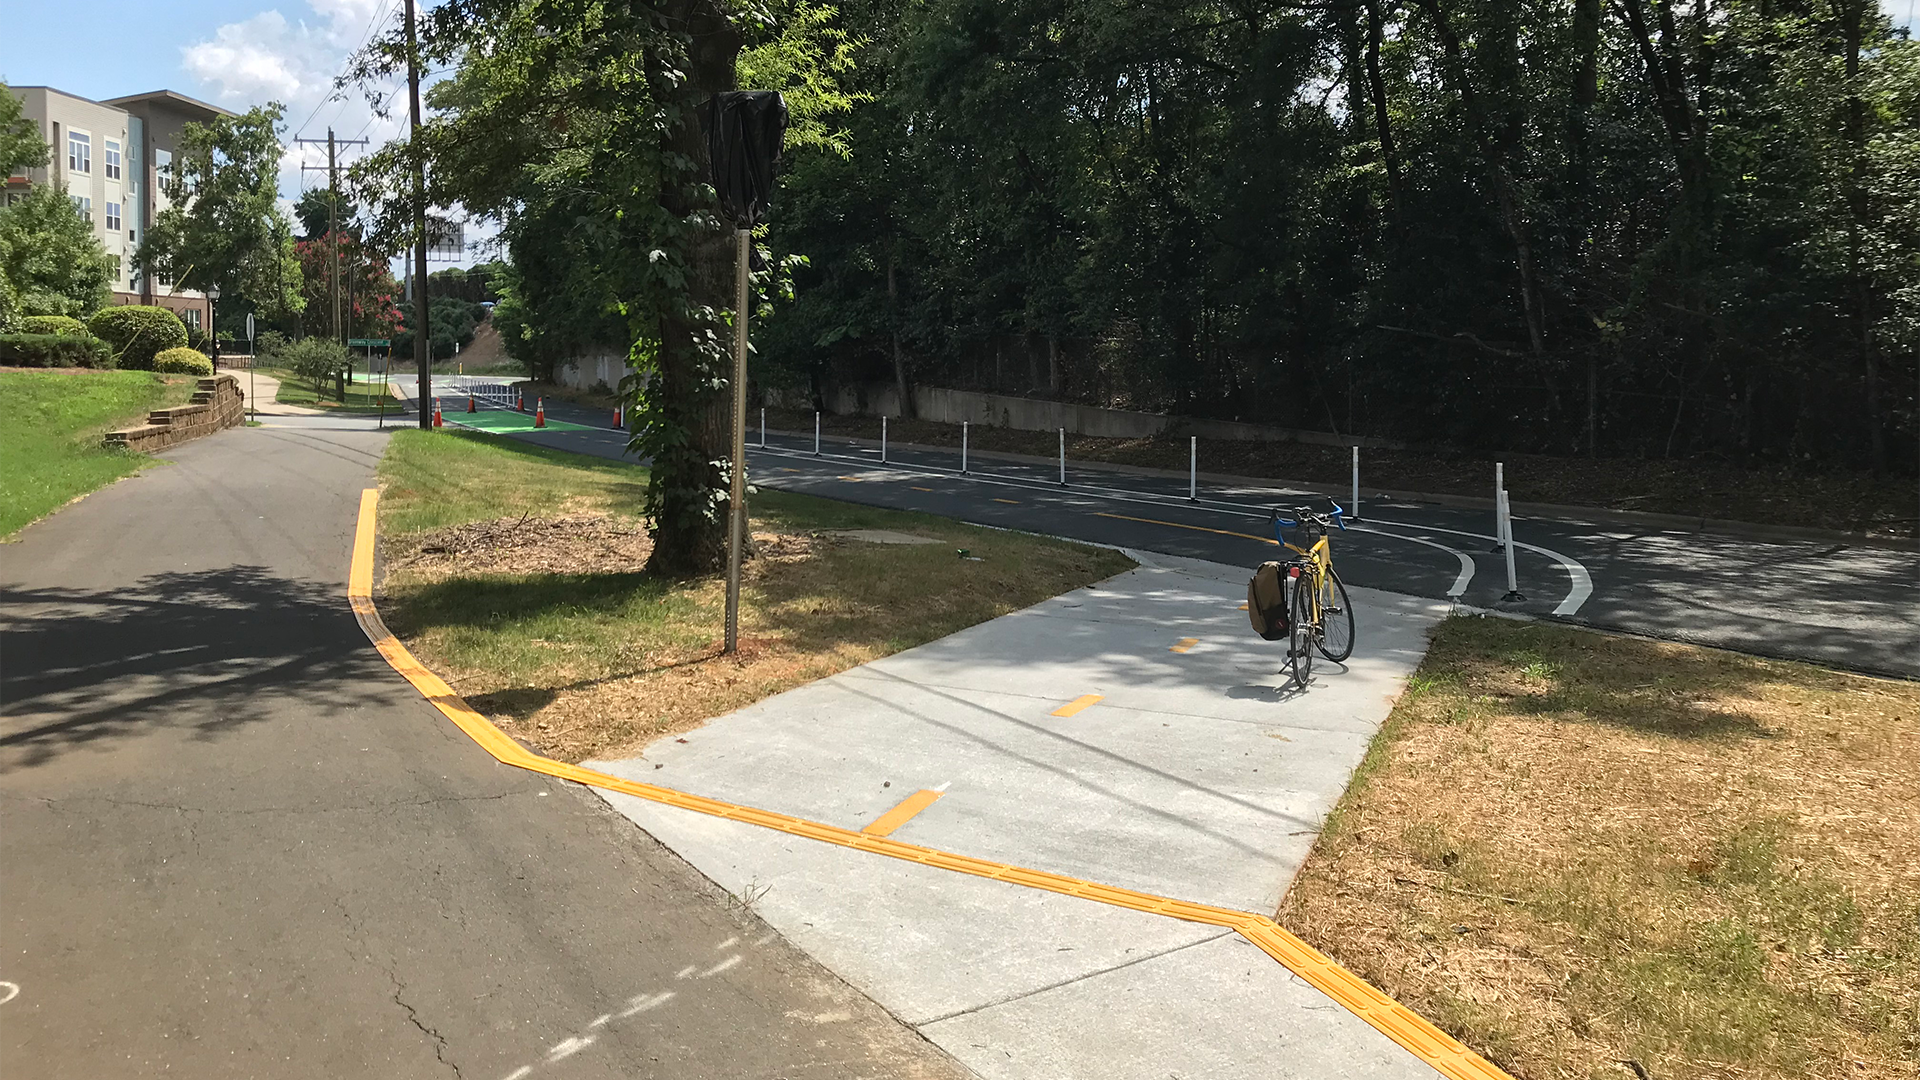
pixel 1300 641
pixel 1336 619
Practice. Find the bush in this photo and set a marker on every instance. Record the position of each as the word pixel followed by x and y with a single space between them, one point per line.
pixel 63 325
pixel 270 346
pixel 316 359
pixel 137 333
pixel 182 362
pixel 54 350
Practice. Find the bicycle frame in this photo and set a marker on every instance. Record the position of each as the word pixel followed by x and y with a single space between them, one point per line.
pixel 1316 560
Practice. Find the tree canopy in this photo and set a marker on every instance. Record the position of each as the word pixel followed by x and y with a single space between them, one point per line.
pixel 225 227
pixel 1646 228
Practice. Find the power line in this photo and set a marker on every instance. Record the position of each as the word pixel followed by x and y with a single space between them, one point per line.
pixel 365 36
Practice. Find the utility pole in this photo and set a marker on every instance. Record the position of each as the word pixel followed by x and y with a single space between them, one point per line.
pixel 333 220
pixel 333 231
pixel 422 347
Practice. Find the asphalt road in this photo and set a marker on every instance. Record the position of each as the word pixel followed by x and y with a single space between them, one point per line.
pixel 1849 606
pixel 236 844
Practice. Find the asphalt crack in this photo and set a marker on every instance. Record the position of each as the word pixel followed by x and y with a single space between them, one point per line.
pixel 439 1040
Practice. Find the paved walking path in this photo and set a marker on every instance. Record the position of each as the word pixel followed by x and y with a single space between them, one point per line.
pixel 1194 774
pixel 236 844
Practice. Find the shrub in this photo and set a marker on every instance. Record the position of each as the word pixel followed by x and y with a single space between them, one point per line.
pixel 137 333
pixel 54 350
pixel 316 359
pixel 270 346
pixel 182 362
pixel 65 326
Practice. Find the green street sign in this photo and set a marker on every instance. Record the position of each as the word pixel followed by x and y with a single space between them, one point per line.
pixel 369 342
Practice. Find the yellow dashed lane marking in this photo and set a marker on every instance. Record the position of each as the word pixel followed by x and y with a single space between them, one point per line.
pixel 1195 528
pixel 903 813
pixel 1078 704
pixel 1243 607
pixel 919 489
pixel 1389 1017
pixel 1009 502
pixel 1183 644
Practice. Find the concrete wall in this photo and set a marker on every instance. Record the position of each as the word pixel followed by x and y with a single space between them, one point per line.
pixel 585 372
pixel 1035 414
pixel 218 403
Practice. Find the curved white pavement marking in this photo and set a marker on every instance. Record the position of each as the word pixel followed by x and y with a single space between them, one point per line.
pixel 1459 586
pixel 1249 511
pixel 1580 583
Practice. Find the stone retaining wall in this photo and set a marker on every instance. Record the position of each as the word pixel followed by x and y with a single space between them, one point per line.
pixel 218 403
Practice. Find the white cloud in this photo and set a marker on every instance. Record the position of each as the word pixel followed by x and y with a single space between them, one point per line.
pixel 269 58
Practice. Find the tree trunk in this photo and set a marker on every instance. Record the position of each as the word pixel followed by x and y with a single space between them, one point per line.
pixel 1383 125
pixel 1586 91
pixel 1852 16
pixel 1505 193
pixel 899 358
pixel 690 531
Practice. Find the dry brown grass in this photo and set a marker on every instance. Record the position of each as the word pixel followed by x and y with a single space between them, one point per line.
pixel 545 621
pixel 1582 853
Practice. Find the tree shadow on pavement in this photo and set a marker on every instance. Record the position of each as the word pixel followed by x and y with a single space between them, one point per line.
pixel 205 652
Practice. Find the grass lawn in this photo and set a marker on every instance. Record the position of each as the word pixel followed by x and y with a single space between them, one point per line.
pixel 515 572
pixel 297 390
pixel 1855 502
pixel 50 450
pixel 1604 857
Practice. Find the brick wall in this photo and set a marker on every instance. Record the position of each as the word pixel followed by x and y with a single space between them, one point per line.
pixel 218 403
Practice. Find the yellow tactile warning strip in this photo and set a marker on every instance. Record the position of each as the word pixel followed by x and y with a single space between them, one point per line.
pixel 1184 644
pixel 1389 1017
pixel 1078 704
pixel 900 815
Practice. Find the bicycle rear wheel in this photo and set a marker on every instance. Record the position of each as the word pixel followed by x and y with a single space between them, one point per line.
pixel 1336 619
pixel 1300 639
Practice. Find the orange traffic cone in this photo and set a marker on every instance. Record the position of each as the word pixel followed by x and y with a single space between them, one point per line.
pixel 437 422
pixel 520 402
pixel 470 407
pixel 619 421
pixel 540 412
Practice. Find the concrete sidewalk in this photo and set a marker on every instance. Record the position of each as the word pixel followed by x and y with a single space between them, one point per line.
pixel 1194 775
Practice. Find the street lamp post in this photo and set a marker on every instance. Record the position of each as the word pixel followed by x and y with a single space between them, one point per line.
pixel 213 323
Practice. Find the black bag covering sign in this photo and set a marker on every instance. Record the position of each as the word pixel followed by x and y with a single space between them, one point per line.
pixel 745 131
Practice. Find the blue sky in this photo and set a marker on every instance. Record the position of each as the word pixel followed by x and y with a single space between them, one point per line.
pixel 233 53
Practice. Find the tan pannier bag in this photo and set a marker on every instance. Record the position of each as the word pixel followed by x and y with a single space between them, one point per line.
pixel 1267 601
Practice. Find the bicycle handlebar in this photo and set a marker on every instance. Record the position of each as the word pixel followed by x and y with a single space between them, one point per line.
pixel 1306 514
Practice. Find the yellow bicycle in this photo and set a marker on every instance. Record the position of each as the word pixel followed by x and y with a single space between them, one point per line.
pixel 1320 615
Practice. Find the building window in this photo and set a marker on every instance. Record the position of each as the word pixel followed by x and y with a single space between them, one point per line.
pixel 193 319
pixel 79 151
pixel 113 217
pixel 113 261
pixel 162 166
pixel 113 160
pixel 82 206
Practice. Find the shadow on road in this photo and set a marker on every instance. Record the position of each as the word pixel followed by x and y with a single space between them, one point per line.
pixel 206 651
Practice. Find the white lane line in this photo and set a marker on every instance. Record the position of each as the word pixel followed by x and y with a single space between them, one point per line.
pixel 1241 510
pixel 1580 583
pixel 1459 586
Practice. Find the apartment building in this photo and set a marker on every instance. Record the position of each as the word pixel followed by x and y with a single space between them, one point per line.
pixel 110 157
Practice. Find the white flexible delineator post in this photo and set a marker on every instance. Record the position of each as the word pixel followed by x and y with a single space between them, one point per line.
pixel 1193 468
pixel 1063 457
pixel 1506 538
pixel 1499 515
pixel 1354 513
pixel 963 448
pixel 816 433
pixel 763 429
pixel 883 440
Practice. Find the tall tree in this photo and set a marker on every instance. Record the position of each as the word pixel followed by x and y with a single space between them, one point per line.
pixel 224 227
